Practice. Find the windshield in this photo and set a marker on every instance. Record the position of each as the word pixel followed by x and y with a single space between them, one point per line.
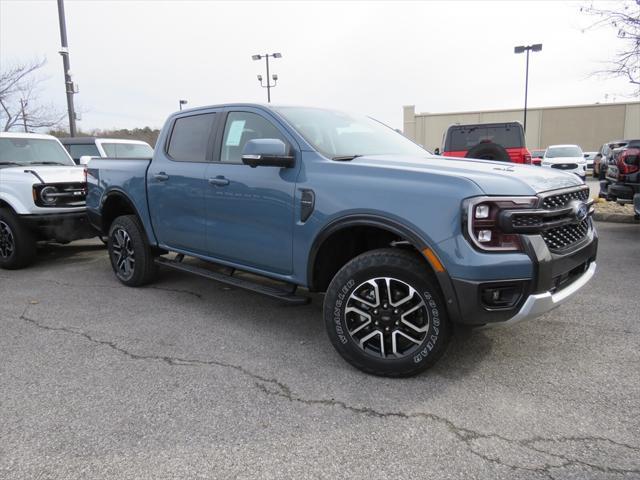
pixel 338 134
pixel 537 153
pixel 33 151
pixel 127 150
pixel 555 152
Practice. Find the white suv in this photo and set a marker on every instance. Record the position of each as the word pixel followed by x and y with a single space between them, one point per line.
pixel 82 149
pixel 568 158
pixel 42 196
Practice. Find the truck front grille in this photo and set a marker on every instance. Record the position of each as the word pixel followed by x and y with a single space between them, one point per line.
pixel 565 236
pixel 561 200
pixel 562 219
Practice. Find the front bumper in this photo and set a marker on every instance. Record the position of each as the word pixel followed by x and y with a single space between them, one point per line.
pixel 63 227
pixel 555 278
pixel 623 191
pixel 540 303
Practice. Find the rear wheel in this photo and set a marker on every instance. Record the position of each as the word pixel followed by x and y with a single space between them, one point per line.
pixel 385 315
pixel 131 256
pixel 17 244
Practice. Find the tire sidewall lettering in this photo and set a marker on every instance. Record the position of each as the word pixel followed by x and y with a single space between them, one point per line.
pixel 337 310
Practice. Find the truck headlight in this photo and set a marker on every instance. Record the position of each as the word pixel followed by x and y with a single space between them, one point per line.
pixel 482 224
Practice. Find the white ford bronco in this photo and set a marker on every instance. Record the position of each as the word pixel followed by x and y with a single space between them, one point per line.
pixel 42 197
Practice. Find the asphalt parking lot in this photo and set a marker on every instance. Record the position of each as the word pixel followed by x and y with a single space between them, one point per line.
pixel 190 379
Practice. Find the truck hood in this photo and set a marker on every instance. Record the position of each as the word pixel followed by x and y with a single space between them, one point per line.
pixel 493 178
pixel 48 173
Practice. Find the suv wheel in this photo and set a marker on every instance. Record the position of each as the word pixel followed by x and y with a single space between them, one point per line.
pixel 17 244
pixel 385 315
pixel 131 257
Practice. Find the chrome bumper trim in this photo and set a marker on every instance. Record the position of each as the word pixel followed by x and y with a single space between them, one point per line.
pixel 540 303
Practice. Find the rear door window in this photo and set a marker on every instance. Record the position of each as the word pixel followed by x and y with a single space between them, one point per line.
pixel 466 137
pixel 78 151
pixel 190 138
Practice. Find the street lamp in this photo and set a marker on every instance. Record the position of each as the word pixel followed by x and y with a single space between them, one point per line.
pixel 520 49
pixel 274 77
pixel 182 102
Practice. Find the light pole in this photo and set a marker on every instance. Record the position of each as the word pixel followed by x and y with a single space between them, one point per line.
pixel 68 82
pixel 182 102
pixel 268 86
pixel 520 49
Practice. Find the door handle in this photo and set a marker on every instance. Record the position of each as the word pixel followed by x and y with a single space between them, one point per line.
pixel 219 181
pixel 161 177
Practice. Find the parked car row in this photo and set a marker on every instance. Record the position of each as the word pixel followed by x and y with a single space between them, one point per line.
pixel 620 167
pixel 505 142
pixel 406 246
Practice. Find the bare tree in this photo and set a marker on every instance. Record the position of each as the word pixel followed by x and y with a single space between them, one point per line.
pixel 624 17
pixel 19 103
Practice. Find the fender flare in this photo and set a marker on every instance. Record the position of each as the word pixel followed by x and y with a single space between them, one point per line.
pixel 117 192
pixel 443 278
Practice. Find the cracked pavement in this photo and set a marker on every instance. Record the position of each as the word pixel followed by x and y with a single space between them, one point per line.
pixel 188 378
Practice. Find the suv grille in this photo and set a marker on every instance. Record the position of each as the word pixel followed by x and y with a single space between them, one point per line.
pixel 562 200
pixel 60 195
pixel 562 237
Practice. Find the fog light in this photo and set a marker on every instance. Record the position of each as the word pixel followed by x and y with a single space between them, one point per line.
pixel 484 236
pixel 504 296
pixel 482 211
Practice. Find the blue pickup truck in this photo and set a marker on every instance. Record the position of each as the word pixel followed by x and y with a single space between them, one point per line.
pixel 405 245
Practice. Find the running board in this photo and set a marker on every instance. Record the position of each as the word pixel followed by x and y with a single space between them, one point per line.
pixel 274 292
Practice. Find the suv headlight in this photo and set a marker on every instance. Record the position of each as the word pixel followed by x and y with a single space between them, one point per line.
pixel 47 195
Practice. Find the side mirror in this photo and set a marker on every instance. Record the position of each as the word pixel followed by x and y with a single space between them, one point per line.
pixel 84 159
pixel 267 152
pixel 585 155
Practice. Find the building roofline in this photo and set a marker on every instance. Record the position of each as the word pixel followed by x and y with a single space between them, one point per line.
pixel 529 109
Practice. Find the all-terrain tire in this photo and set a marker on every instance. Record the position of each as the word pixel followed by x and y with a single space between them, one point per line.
pixel 131 256
pixel 353 287
pixel 17 243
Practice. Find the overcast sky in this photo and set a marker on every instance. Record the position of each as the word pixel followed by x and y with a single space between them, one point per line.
pixel 133 60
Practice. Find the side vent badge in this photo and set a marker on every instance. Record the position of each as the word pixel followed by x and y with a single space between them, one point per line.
pixel 307 204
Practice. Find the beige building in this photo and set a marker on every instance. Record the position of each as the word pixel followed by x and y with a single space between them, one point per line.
pixel 586 125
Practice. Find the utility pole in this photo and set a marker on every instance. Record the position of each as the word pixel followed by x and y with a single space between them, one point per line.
pixel 64 51
pixel 24 116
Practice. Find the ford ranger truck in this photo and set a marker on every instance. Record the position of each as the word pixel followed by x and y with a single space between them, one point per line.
pixel 405 245
pixel 42 197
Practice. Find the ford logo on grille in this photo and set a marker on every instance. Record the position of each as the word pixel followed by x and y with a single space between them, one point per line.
pixel 580 210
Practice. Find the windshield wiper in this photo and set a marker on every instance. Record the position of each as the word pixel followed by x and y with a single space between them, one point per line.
pixel 11 163
pixel 345 158
pixel 48 163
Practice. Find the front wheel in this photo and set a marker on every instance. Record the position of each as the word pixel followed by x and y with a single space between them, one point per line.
pixel 385 315
pixel 17 244
pixel 131 256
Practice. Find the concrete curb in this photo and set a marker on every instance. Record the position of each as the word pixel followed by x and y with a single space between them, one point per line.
pixel 614 217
